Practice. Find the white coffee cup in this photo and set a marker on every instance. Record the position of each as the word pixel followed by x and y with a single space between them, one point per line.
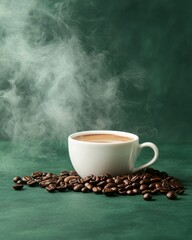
pixel 115 158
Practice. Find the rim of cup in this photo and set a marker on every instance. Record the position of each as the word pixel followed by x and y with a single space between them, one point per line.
pixel 72 136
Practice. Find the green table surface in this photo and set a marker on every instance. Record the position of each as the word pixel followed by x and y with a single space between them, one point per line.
pixel 36 214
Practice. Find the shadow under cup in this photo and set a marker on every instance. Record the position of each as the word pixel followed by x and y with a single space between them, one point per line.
pixel 101 152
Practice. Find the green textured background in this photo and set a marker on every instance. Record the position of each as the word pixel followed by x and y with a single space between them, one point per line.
pixel 136 36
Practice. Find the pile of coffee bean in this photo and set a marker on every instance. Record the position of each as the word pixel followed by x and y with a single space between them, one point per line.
pixel 146 183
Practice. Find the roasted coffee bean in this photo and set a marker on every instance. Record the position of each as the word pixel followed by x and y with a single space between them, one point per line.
pixel 130 192
pixel 176 184
pixel 78 187
pixel 89 186
pixel 121 185
pixel 25 179
pixel 44 183
pixel 165 183
pixel 84 190
pixel 73 173
pixel 158 185
pixel 171 195
pixel 147 196
pixel 155 191
pixel 135 178
pixel 109 192
pixel 147 176
pixel 110 180
pixel 128 187
pixel 101 184
pixel 135 185
pixel 143 187
pixel 118 181
pixel 48 176
pixel 121 191
pixel 64 173
pixel 87 179
pixel 136 191
pixel 37 174
pixel 50 188
pixel 180 191
pixel 19 182
pixel 16 179
pixel 61 188
pixel 69 178
pixel 38 180
pixel 152 186
pixel 146 191
pixel 97 190
pixel 110 185
pixel 144 181
pixel 164 190
pixel 31 183
pixel 126 182
pixel 155 179
pixel 18 186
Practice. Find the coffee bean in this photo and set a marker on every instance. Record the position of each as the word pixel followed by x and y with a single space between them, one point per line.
pixel 121 191
pixel 84 190
pixel 171 195
pixel 89 186
pixel 155 191
pixel 180 191
pixel 109 192
pixel 110 180
pixel 143 187
pixel 155 179
pixel 50 189
pixel 101 184
pixel 165 183
pixel 44 183
pixel 37 174
pixel 31 183
pixel 64 173
pixel 69 178
pixel 16 179
pixel 158 185
pixel 19 182
pixel 144 181
pixel 147 196
pixel 61 188
pixel 146 191
pixel 97 190
pixel 126 182
pixel 147 176
pixel 136 191
pixel 130 192
pixel 110 185
pixel 135 185
pixel 73 173
pixel 118 181
pixel 152 186
pixel 164 190
pixel 25 179
pixel 78 187
pixel 18 187
pixel 47 176
pixel 135 178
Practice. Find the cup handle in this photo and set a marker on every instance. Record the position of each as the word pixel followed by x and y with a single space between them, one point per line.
pixel 156 154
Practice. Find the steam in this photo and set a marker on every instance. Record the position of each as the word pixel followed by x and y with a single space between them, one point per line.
pixel 50 86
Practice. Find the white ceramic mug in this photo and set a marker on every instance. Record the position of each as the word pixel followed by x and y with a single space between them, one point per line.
pixel 115 158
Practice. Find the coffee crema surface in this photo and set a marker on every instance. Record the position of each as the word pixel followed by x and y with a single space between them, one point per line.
pixel 103 138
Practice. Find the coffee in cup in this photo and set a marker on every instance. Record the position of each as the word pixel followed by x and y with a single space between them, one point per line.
pixel 113 152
